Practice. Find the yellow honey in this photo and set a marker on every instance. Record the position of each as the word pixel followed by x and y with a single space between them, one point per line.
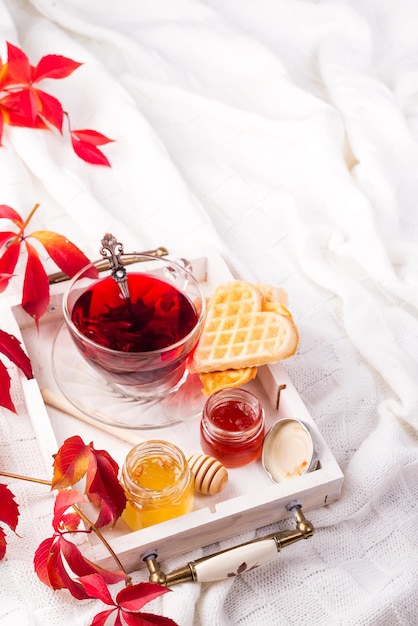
pixel 158 483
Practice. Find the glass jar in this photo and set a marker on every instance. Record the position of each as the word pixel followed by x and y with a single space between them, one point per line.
pixel 158 482
pixel 232 427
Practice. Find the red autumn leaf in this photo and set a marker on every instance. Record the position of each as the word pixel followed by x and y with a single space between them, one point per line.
pixel 51 569
pixel 18 67
pixel 12 348
pixel 56 561
pixel 8 263
pixel 5 397
pixel 16 118
pixel 3 543
pixel 50 108
pixel 22 108
pixel 5 236
pixel 74 460
pixel 129 602
pixel 92 137
pixel 54 66
pixel 41 562
pixel 146 619
pixel 22 104
pixel 103 488
pixel 70 463
pixel 70 521
pixel 64 500
pixel 9 514
pixel 79 565
pixel 7 212
pixel 88 151
pixel 133 598
pixel 101 618
pixel 62 251
pixel 3 70
pixel 96 587
pixel 35 295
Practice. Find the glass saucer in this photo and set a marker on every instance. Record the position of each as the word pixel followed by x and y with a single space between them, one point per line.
pixel 92 395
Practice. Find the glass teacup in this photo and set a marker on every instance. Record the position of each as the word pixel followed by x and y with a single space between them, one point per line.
pixel 140 345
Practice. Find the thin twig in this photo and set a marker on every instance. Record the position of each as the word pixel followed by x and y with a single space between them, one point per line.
pixel 102 539
pixel 28 478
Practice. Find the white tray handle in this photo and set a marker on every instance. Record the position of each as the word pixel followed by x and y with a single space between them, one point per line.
pixel 236 561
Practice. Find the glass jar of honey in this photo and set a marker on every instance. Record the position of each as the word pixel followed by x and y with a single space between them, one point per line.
pixel 232 427
pixel 158 483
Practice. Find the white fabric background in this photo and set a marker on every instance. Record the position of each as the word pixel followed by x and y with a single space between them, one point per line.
pixel 285 132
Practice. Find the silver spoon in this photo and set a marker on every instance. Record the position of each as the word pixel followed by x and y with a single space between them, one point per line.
pixel 112 250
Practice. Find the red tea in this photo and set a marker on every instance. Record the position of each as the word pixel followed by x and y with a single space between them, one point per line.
pixel 156 316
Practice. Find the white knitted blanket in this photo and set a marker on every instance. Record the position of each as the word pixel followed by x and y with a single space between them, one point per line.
pixel 285 133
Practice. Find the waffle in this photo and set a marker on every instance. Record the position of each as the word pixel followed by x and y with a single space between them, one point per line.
pixel 214 381
pixel 238 333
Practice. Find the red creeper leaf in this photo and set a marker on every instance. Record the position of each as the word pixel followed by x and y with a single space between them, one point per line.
pixel 88 151
pixel 70 463
pixel 64 253
pixel 41 561
pixel 54 66
pixel 8 213
pixel 50 108
pixel 101 618
pixel 5 397
pixel 96 587
pixel 70 521
pixel 76 459
pixel 12 348
pixel 51 570
pixel 35 297
pixel 64 500
pixel 56 559
pixel 146 619
pixel 22 108
pixel 103 487
pixel 8 263
pixel 81 566
pixel 9 512
pixel 18 66
pixel 92 137
pixel 5 236
pixel 133 598
pixel 129 601
pixel 2 543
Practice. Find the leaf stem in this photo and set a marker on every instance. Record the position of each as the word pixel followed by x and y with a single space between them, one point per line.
pixel 29 217
pixel 28 478
pixel 103 540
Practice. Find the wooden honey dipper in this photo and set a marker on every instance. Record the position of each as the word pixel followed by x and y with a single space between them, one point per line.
pixel 210 476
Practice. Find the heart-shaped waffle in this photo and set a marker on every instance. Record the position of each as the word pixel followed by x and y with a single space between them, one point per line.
pixel 238 333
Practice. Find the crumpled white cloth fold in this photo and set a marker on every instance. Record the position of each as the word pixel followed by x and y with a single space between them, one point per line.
pixel 284 133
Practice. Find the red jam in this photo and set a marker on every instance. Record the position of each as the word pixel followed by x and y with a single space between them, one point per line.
pixel 232 427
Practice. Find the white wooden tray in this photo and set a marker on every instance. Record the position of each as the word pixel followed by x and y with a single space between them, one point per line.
pixel 249 501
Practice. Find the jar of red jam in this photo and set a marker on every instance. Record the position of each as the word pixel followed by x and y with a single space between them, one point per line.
pixel 232 427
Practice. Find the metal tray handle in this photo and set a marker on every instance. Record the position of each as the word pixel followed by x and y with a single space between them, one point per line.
pixel 233 561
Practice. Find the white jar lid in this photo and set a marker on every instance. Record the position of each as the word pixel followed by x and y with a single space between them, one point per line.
pixel 288 450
